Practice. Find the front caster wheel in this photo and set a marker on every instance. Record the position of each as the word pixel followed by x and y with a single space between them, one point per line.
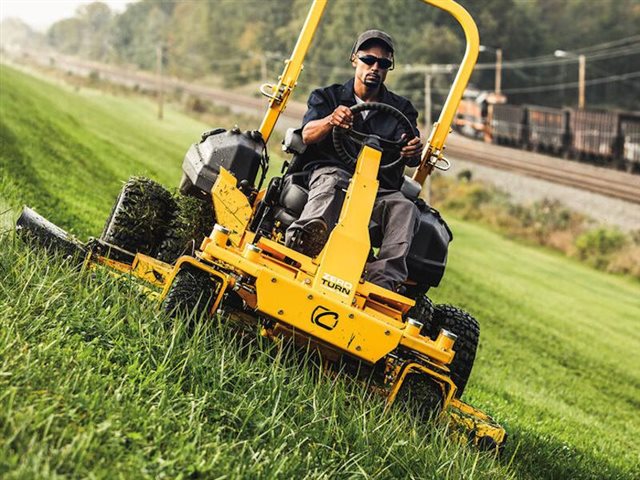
pixel 192 294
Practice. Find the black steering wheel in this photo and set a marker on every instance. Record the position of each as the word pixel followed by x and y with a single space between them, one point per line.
pixel 340 135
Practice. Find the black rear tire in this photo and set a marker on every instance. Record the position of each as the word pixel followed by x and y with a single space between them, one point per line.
pixel 140 216
pixel 468 331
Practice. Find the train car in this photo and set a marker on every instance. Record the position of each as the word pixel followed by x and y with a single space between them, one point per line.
pixel 508 125
pixel 630 132
pixel 548 129
pixel 595 136
pixel 609 138
pixel 469 120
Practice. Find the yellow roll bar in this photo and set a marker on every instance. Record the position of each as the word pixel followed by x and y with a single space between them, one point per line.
pixel 280 94
pixel 433 151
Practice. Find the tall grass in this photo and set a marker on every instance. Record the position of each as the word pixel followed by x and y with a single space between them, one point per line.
pixel 96 381
pixel 66 153
pixel 558 355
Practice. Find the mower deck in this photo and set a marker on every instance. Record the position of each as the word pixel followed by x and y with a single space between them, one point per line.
pixel 370 330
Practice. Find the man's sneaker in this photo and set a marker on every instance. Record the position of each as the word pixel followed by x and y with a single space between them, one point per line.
pixel 310 239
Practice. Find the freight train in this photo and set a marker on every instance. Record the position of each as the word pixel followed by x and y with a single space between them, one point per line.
pixel 609 138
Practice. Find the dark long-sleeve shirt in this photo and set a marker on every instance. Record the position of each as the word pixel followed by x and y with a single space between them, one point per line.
pixel 323 101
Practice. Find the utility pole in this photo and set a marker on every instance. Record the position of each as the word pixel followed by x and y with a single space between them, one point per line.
pixel 582 60
pixel 498 78
pixel 497 88
pixel 581 75
pixel 262 57
pixel 428 123
pixel 498 70
pixel 263 67
pixel 429 71
pixel 160 87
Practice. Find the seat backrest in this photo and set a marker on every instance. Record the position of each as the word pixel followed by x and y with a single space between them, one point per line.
pixel 293 144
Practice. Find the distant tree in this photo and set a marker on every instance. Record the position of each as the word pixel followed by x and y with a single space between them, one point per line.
pixel 137 32
pixel 15 33
pixel 95 21
pixel 229 40
pixel 66 35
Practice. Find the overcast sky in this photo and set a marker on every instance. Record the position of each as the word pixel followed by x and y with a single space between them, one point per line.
pixel 40 14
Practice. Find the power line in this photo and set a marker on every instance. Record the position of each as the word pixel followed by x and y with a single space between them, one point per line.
pixel 541 88
pixel 632 38
pixel 559 86
pixel 585 50
pixel 611 49
pixel 613 53
pixel 530 61
pixel 522 63
pixel 635 85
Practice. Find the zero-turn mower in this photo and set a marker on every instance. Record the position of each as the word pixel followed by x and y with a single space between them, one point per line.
pixel 219 247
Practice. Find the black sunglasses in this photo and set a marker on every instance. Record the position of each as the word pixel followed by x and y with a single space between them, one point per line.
pixel 383 63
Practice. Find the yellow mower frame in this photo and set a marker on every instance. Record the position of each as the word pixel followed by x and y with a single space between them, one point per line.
pixel 324 301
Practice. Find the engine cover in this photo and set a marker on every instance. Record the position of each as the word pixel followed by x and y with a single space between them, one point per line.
pixel 238 152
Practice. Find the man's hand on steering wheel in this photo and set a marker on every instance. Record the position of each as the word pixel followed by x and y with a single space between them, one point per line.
pixel 403 148
pixel 341 117
pixel 413 148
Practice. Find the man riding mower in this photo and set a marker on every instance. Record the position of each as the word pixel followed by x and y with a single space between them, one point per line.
pixel 255 264
pixel 329 108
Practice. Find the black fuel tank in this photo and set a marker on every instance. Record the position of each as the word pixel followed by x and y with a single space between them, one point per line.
pixel 238 152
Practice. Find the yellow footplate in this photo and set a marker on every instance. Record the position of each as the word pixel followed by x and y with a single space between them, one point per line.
pixel 473 426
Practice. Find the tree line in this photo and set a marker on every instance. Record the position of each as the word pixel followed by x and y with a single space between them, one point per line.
pixel 235 41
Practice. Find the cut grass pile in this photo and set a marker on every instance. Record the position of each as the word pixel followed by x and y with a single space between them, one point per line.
pixel 95 381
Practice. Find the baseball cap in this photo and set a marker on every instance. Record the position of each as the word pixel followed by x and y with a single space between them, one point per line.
pixel 373 35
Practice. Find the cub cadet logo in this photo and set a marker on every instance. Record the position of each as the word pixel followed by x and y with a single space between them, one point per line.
pixel 337 284
pixel 324 318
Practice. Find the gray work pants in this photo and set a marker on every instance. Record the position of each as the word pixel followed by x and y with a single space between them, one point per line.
pixel 396 215
pixel 326 194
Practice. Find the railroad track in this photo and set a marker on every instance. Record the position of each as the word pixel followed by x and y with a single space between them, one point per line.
pixel 611 183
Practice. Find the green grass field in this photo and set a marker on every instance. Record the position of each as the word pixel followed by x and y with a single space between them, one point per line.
pixel 96 382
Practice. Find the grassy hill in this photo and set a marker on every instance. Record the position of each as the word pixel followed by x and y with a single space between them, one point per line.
pixel 94 380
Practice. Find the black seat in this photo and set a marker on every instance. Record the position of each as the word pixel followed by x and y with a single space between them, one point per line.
pixel 294 193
